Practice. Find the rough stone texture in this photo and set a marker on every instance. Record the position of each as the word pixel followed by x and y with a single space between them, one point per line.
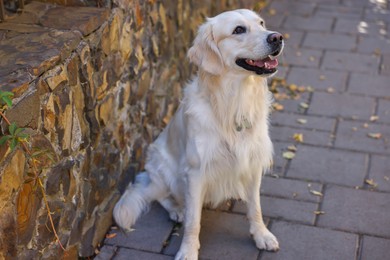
pixel 93 86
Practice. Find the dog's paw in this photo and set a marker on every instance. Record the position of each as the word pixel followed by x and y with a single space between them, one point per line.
pixel 185 254
pixel 177 216
pixel 266 241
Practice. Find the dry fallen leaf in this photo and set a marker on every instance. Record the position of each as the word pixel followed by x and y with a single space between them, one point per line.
pixel 286 36
pixel 319 212
pixel 386 178
pixel 272 11
pixel 330 90
pixel 112 235
pixel 277 106
pixel 304 105
pixel 302 121
pixel 316 193
pixel 288 155
pixel 298 137
pixel 292 148
pixel 322 77
pixel 371 182
pixel 375 135
pixel 374 118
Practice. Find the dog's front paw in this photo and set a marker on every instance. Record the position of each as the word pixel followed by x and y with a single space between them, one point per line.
pixel 266 240
pixel 187 253
pixel 176 216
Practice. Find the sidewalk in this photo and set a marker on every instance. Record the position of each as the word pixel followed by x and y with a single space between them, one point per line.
pixel 332 199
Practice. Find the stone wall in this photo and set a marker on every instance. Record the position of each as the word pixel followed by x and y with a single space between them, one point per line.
pixel 93 86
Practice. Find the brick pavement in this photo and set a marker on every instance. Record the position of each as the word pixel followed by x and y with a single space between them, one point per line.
pixel 332 200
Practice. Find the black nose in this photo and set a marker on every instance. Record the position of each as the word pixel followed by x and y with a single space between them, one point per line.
pixel 275 38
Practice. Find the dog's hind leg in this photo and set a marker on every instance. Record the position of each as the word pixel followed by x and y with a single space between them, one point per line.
pixel 136 200
pixel 176 211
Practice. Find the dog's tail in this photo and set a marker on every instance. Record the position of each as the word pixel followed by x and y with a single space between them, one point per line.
pixel 136 200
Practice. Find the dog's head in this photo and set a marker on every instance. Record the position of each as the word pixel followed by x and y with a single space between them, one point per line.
pixel 236 41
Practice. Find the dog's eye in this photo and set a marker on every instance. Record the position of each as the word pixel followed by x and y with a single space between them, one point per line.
pixel 262 23
pixel 239 30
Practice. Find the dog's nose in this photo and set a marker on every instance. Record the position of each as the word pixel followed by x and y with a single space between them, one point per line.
pixel 275 38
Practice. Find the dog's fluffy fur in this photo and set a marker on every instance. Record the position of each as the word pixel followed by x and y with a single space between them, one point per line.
pixel 217 145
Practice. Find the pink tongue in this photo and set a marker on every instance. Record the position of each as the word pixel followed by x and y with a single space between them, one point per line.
pixel 267 63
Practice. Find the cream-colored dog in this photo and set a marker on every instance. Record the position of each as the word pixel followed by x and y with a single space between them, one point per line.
pixel 217 145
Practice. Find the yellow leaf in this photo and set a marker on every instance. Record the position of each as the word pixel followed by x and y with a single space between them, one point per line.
pixel 277 106
pixel 375 135
pixel 319 212
pixel 288 155
pixel 316 193
pixel 304 105
pixel 371 182
pixel 302 121
pixel 374 118
pixel 292 148
pixel 298 137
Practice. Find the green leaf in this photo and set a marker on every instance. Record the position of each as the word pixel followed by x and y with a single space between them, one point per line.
pixel 18 131
pixel 4 139
pixel 14 143
pixel 6 94
pixel 8 101
pixel 23 136
pixel 12 127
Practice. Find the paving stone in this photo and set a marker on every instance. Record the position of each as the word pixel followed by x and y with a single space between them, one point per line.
pixel 354 135
pixel 126 254
pixel 384 110
pixel 222 236
pixel 314 137
pixel 380 172
pixel 344 61
pixel 308 23
pixel 294 210
pixel 359 27
pixel 375 248
pixel 318 79
pixel 337 11
pixel 312 122
pixel 329 166
pixel 106 252
pixel 374 45
pixel 289 189
pixel 151 231
pixel 372 86
pixel 385 65
pixel 297 57
pixel 293 104
pixel 350 209
pixel 344 105
pixel 279 162
pixel 308 243
pixel 288 7
pixel 377 14
pixel 330 41
pixel 294 38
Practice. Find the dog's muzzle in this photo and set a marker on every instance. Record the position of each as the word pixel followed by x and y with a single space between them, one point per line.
pixel 269 64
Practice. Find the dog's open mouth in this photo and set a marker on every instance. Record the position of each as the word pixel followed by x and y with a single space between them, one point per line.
pixel 264 66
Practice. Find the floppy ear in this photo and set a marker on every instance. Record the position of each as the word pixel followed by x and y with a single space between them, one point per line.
pixel 204 52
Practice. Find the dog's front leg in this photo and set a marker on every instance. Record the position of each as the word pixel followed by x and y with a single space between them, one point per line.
pixel 263 237
pixel 193 209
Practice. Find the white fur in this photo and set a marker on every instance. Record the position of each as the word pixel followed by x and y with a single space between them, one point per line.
pixel 201 157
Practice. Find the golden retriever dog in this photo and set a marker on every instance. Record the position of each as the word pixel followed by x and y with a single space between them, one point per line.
pixel 217 145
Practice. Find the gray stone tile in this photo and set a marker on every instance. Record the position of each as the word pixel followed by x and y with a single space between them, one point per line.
pixel 375 248
pixel 308 23
pixel 372 86
pixel 360 211
pixel 385 65
pixel 288 7
pixel 380 172
pixel 384 111
pixel 337 11
pixel 298 211
pixel 359 27
pixel 222 236
pixel 289 189
pixel 106 252
pixel 308 243
pixel 312 122
pixel 279 162
pixel 374 45
pixel 294 38
pixel 329 166
pixel 345 105
pixel 314 137
pixel 298 57
pixel 151 231
pixel 127 254
pixel 344 61
pixel 354 135
pixel 330 41
pixel 377 14
pixel 317 78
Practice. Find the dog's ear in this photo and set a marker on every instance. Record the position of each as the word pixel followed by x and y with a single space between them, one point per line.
pixel 204 52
